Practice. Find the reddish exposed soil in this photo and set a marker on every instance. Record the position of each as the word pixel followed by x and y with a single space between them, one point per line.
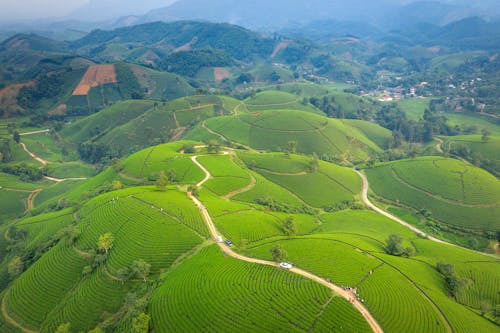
pixel 221 73
pixel 95 76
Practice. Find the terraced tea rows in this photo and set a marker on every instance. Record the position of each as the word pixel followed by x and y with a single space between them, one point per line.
pixel 40 289
pixel 273 130
pixel 467 199
pixel 246 298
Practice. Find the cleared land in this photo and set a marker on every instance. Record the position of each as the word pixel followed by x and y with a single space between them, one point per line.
pixel 95 76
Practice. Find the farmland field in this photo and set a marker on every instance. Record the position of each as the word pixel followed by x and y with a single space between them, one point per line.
pixel 95 76
pixel 273 130
pixel 453 191
pixel 265 300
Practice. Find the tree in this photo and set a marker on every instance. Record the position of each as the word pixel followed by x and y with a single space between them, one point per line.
pixel 15 267
pixel 498 236
pixel 394 245
pixel 194 190
pixel 70 234
pixel 188 149
pixel 141 323
pixel 123 274
pixel 171 175
pixel 16 136
pixel 116 185
pixel 291 147
pixel 278 252
pixel 485 135
pixel 214 146
pixel 96 330
pixel 162 182
pixel 314 163
pixel 289 227
pixel 141 268
pixel 453 283
pixel 64 328
pixel 105 242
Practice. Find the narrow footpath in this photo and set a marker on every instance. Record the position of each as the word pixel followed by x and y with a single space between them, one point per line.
pixel 228 251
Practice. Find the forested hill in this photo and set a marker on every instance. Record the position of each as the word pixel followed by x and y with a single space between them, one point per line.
pixel 236 41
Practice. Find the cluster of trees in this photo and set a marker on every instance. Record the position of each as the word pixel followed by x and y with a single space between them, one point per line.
pixel 47 86
pixel 165 178
pixel 5 151
pixel 346 204
pixel 93 152
pixel 140 324
pixel 128 83
pixel 453 282
pixel 24 171
pixel 394 246
pixel 189 63
pixel 276 206
pixel 278 253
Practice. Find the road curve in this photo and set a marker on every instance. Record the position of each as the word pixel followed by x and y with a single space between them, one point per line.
pixel 366 200
pixel 33 156
pixel 228 251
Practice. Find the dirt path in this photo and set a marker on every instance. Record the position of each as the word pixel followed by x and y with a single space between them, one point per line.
pixel 228 251
pixel 439 146
pixel 30 202
pixel 247 188
pixel 366 200
pixel 35 132
pixel 10 320
pixel 33 156
pixel 60 180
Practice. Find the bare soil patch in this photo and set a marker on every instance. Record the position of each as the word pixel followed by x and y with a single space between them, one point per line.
pixel 95 76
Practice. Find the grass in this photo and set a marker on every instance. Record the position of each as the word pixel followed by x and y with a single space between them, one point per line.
pixel 202 295
pixel 452 191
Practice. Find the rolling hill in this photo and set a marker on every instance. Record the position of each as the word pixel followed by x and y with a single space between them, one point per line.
pixel 448 190
pixel 273 130
pixel 166 229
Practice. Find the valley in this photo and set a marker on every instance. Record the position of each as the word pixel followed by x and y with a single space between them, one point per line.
pixel 191 176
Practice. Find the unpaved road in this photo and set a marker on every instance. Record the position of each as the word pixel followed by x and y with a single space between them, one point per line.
pixel 33 156
pixel 228 251
pixel 35 132
pixel 366 200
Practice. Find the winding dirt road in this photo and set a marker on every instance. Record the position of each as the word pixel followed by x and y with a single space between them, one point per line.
pixel 35 132
pixel 366 200
pixel 228 251
pixel 33 156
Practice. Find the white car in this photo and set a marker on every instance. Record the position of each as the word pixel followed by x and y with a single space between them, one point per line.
pixel 286 265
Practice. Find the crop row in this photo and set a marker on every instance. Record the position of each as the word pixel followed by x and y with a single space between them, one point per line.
pixel 96 294
pixel 38 290
pixel 212 294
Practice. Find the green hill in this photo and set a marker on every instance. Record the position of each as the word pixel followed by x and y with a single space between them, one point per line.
pixel 273 130
pixel 64 271
pixel 451 191
pixel 130 126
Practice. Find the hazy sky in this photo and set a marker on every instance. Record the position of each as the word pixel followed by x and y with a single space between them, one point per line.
pixel 11 10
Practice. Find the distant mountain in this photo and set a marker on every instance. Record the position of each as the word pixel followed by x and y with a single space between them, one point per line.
pixel 100 10
pixel 467 34
pixel 276 14
pixel 236 41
